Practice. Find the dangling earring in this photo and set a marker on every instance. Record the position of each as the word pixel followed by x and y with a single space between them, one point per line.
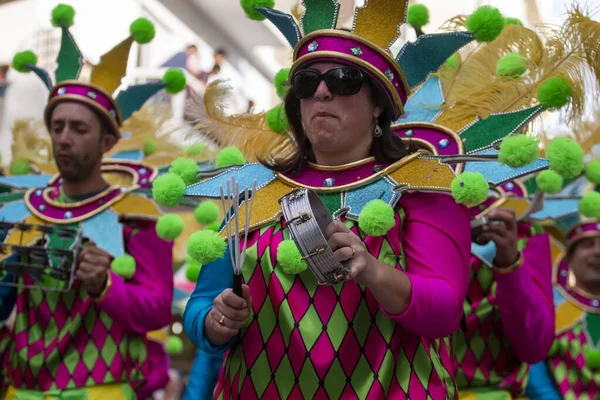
pixel 571 280
pixel 378 131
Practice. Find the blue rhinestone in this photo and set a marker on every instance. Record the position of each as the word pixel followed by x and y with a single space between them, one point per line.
pixel 113 113
pixel 510 186
pixel 61 91
pixel 144 181
pixel 38 192
pixel 595 303
pixel 91 95
pixel 389 74
pixel 444 143
pixel 123 190
pixel 598 226
pixel 462 184
pixel 42 207
pixel 329 182
pixel 313 46
pixel 143 171
pixel 68 215
pixel 409 133
pixel 357 51
pixel 563 273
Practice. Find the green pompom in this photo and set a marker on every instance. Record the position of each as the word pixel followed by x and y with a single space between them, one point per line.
pixel 194 150
pixel 486 23
pixel 513 21
pixel 549 182
pixel 186 169
pixel 470 188
pixel 281 82
pixel 417 16
pixel 20 167
pixel 592 357
pixel 123 266
pixel 149 147
pixel 592 172
pixel 216 227
pixel 174 346
pixel 565 156
pixel 192 272
pixel 453 61
pixel 277 120
pixel 554 93
pixel 206 246
pixel 174 78
pixel 248 7
pixel 589 205
pixel 168 190
pixel 376 218
pixel 207 213
pixel 512 65
pixel 228 157
pixel 519 150
pixel 290 259
pixel 142 30
pixel 63 16
pixel 22 59
pixel 169 227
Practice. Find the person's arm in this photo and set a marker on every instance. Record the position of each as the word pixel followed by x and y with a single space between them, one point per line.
pixel 437 248
pixel 213 279
pixel 203 376
pixel 525 302
pixel 142 303
pixel 541 386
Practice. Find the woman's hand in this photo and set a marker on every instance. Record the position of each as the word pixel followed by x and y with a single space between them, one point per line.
pixel 228 316
pixel 503 231
pixel 347 246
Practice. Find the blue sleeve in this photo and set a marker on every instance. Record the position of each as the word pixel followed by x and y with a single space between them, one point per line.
pixel 540 385
pixel 203 376
pixel 213 279
pixel 8 297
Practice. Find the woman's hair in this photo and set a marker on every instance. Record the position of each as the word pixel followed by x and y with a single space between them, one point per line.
pixel 387 148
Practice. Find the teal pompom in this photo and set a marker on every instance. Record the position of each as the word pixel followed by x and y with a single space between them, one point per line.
pixel 519 150
pixel 565 156
pixel 486 24
pixel 63 16
pixel 207 213
pixel 470 188
pixel 277 120
pixel 174 346
pixel 169 227
pixel 168 190
pixel 417 16
pixel 290 259
pixel 142 30
pixel 249 5
pixel 281 82
pixel 192 272
pixel 194 150
pixel 228 157
pixel 513 21
pixel 186 169
pixel 592 172
pixel 20 167
pixel 149 147
pixel 589 205
pixel 549 182
pixel 554 93
pixel 123 266
pixel 174 78
pixel 511 65
pixel 206 246
pixel 376 218
pixel 24 58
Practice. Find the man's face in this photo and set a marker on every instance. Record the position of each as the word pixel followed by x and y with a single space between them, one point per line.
pixel 584 261
pixel 219 58
pixel 78 140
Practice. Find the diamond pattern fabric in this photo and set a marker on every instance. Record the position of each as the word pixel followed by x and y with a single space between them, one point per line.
pixel 309 341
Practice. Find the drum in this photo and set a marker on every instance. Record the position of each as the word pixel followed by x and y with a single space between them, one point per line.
pixel 307 219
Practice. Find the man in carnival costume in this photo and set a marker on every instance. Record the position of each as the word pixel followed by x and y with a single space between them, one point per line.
pixel 279 352
pixel 91 272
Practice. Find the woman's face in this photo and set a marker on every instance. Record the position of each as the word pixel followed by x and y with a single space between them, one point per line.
pixel 336 124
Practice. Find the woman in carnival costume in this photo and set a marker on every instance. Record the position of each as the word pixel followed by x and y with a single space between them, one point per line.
pixel 364 337
pixel 137 292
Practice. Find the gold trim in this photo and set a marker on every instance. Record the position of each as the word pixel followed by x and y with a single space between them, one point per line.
pixel 341 167
pixel 581 236
pixel 517 183
pixel 348 35
pixel 67 206
pixel 92 87
pixel 386 171
pixel 441 128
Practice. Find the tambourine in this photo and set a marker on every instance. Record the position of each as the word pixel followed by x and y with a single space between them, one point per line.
pixel 50 268
pixel 307 219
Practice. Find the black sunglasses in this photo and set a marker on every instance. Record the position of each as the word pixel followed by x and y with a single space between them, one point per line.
pixel 342 81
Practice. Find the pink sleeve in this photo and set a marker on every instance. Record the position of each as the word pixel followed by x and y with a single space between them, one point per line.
pixel 142 303
pixel 525 302
pixel 437 245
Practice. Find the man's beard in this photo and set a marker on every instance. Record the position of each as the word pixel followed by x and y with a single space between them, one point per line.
pixel 78 170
